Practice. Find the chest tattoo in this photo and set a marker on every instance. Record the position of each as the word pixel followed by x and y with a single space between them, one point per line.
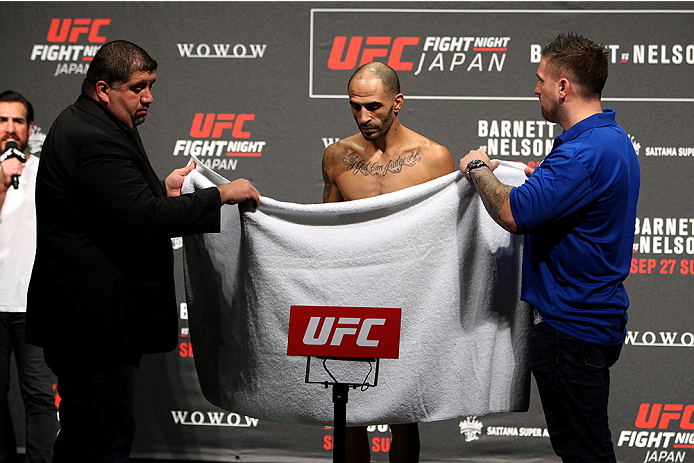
pixel 360 166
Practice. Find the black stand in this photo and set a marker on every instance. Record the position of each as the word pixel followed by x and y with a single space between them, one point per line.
pixel 340 393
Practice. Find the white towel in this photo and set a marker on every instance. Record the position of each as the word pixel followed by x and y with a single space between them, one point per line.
pixel 431 250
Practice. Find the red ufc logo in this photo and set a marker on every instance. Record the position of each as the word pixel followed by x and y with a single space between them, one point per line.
pixel 661 415
pixel 70 29
pixel 205 125
pixel 382 48
pixel 372 332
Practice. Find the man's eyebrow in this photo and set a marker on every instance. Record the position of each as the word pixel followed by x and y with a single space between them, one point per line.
pixel 144 82
pixel 352 102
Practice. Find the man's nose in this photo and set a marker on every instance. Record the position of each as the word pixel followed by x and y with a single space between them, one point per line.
pixel 147 96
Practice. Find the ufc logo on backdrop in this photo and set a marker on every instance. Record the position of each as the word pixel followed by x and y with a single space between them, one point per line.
pixel 372 332
pixel 69 30
pixel 206 125
pixel 660 415
pixel 377 47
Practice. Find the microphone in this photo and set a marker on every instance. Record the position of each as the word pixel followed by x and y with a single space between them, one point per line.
pixel 12 151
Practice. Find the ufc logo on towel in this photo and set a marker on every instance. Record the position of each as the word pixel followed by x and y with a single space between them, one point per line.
pixel 369 332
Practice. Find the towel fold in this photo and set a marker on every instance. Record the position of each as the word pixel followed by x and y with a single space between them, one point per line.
pixel 431 250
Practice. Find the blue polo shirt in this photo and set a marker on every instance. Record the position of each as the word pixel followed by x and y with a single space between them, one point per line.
pixel 578 213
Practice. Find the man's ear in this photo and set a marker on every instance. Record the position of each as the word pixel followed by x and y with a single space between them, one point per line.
pixel 397 105
pixel 102 92
pixel 565 86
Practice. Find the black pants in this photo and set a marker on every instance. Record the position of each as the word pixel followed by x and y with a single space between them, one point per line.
pixel 573 379
pixel 97 408
pixel 36 388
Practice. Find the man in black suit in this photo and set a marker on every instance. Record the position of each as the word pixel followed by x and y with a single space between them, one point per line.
pixel 102 287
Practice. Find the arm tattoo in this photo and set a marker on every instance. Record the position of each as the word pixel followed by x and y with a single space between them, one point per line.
pixel 327 189
pixel 359 166
pixel 493 193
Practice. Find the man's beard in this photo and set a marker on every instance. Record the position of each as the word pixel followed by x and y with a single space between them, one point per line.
pixel 22 145
pixel 549 112
pixel 382 130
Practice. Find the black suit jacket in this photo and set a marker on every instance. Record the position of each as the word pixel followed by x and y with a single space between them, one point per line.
pixel 103 279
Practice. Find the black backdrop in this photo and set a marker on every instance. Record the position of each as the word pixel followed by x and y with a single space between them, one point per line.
pixel 266 82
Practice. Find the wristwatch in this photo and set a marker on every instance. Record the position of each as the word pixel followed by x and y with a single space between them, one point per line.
pixel 474 164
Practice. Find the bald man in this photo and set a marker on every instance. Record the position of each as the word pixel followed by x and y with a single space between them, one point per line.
pixel 384 157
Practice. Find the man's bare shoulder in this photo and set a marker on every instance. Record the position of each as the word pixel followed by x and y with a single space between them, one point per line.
pixel 434 155
pixel 346 145
pixel 334 165
pixel 336 152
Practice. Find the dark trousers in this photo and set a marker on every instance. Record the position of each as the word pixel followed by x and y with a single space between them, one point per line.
pixel 573 379
pixel 97 408
pixel 36 388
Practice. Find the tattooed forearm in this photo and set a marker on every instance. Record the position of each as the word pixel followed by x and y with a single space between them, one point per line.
pixel 493 193
pixel 357 165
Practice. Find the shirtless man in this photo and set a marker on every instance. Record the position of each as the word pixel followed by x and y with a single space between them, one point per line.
pixel 383 158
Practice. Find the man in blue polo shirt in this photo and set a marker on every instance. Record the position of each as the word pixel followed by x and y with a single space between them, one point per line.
pixel 577 211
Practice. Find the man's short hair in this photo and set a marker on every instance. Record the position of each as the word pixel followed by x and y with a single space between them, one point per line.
pixel 383 72
pixel 581 59
pixel 114 63
pixel 10 96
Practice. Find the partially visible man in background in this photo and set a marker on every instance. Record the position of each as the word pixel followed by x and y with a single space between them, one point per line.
pixel 17 250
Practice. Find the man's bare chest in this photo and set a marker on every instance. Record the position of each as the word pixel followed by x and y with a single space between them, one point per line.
pixel 359 178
